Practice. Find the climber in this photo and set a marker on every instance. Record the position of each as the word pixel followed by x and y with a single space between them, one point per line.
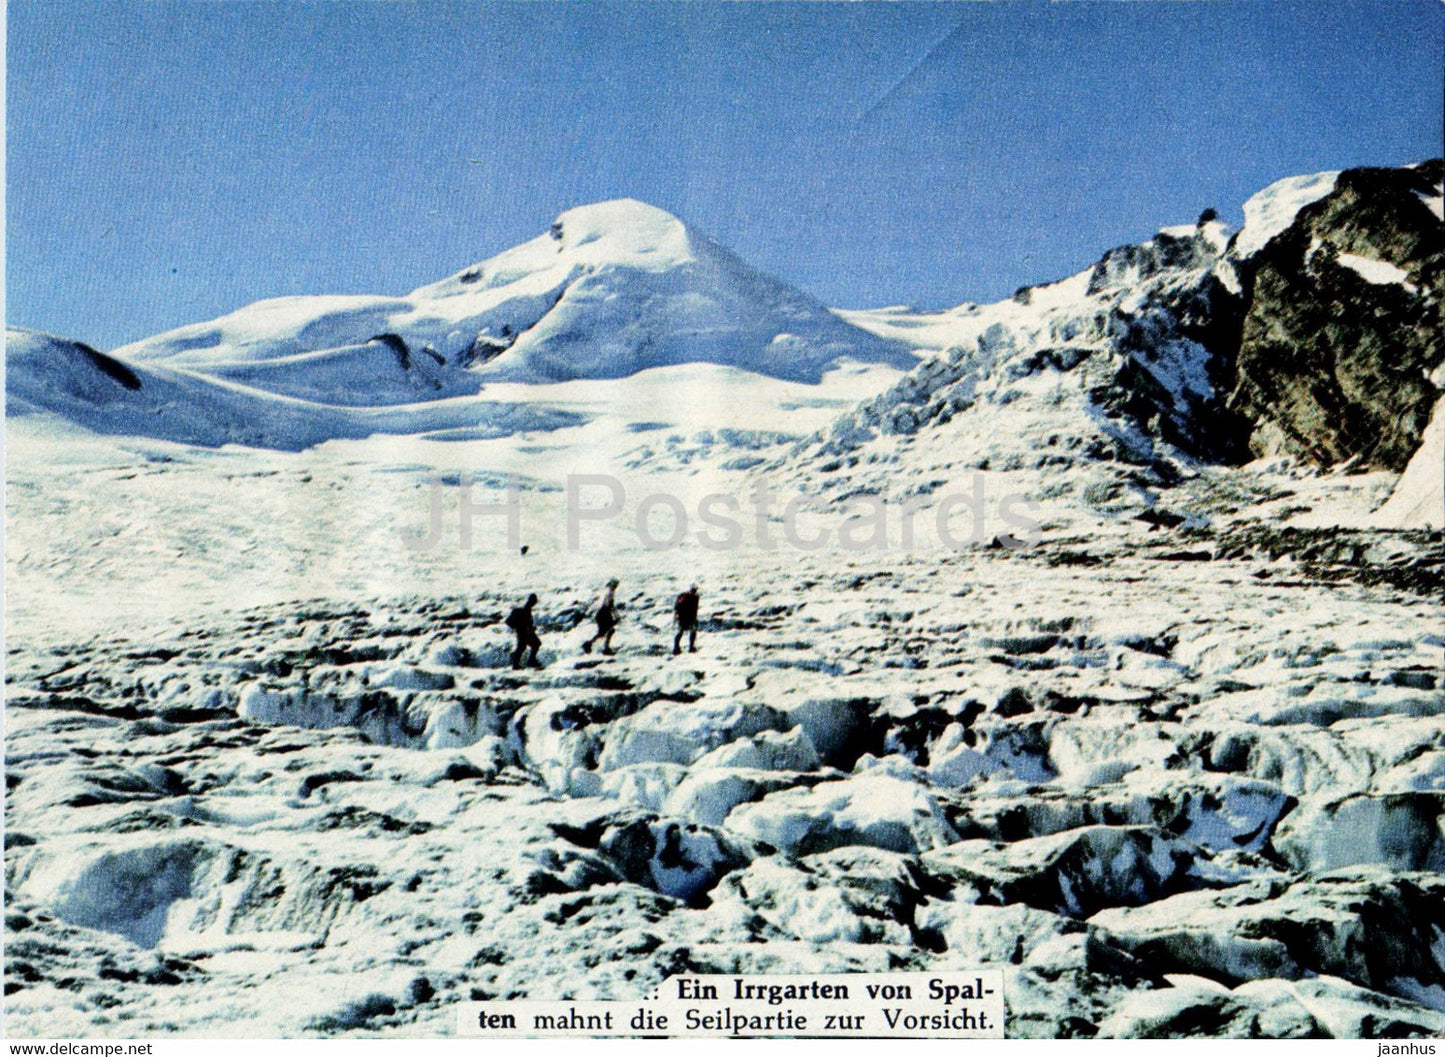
pixel 520 621
pixel 684 610
pixel 606 619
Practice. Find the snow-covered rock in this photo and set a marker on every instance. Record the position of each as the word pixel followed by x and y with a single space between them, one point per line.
pixel 1275 208
pixel 874 810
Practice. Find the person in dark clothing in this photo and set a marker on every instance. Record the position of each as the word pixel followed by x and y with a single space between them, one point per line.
pixel 520 621
pixel 606 619
pixel 684 610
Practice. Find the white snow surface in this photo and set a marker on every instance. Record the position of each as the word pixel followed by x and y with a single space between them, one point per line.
pixel 1274 209
pixel 59 387
pixel 1418 499
pixel 1380 273
pixel 613 288
pixel 343 815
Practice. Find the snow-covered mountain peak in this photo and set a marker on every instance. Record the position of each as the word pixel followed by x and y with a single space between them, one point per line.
pixel 608 291
pixel 1274 209
pixel 623 231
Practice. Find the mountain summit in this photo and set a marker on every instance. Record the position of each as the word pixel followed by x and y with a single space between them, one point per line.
pixel 611 289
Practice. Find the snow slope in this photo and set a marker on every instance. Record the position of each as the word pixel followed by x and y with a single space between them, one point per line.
pixel 1274 209
pixel 46 375
pixel 611 289
pixel 1418 500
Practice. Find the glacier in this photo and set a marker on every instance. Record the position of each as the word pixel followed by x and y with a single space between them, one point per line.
pixel 1175 766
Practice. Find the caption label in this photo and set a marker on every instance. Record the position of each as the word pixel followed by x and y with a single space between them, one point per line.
pixel 953 1005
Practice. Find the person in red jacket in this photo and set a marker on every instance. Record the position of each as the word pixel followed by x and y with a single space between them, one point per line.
pixel 684 610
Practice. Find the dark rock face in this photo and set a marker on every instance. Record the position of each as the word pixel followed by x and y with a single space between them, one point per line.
pixel 1205 314
pixel 1332 366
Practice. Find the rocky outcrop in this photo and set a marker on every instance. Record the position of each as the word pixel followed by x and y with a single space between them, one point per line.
pixel 1342 330
pixel 1310 333
pixel 1147 336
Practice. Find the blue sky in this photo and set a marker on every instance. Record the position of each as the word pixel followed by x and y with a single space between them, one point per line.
pixel 168 162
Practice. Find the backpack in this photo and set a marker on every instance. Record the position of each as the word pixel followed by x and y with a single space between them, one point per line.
pixel 517 619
